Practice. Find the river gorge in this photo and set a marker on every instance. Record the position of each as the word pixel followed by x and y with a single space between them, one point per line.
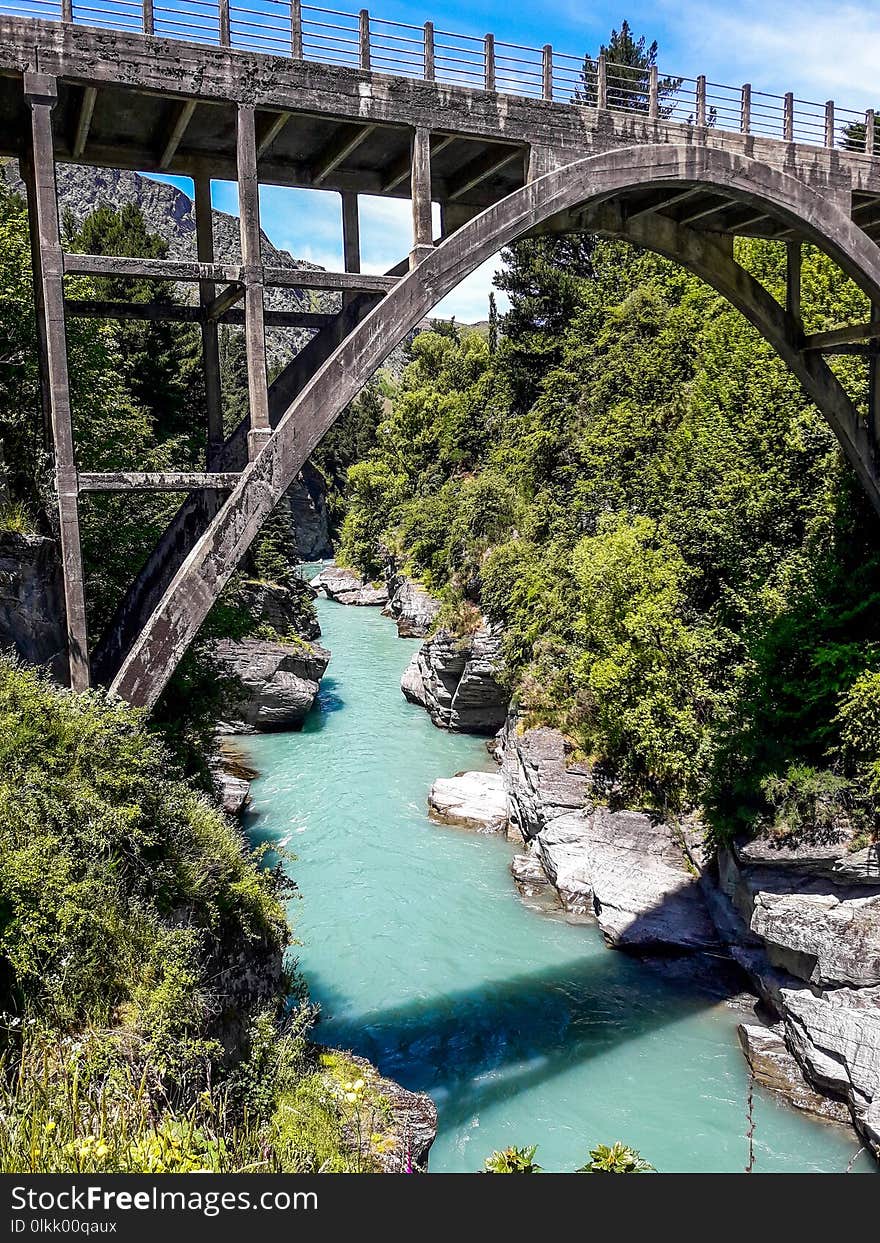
pixel 523 1027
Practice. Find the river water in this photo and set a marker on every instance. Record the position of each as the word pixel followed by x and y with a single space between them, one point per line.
pixel 525 1029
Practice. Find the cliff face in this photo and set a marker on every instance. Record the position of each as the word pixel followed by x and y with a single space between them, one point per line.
pixel 32 617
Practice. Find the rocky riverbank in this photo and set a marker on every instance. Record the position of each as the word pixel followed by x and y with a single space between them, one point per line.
pixel 801 921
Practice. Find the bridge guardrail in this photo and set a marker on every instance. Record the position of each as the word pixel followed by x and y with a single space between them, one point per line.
pixel 362 40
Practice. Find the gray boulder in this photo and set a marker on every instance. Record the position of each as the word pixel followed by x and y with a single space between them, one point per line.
pixel 474 800
pixel 457 681
pixel 412 607
pixel 279 681
pixel 347 587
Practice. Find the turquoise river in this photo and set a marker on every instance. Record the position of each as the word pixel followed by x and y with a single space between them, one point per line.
pixel 525 1029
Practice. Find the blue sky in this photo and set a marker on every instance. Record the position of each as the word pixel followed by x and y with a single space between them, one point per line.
pixel 818 49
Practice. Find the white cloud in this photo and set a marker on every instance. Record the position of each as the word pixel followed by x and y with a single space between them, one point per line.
pixel 816 48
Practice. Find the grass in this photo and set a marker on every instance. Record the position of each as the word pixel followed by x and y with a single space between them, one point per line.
pixel 16 518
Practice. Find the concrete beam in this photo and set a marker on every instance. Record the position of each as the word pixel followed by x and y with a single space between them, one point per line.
pixel 157 481
pixel 224 301
pixel 271 131
pixel 338 151
pixel 84 121
pixel 480 169
pixel 824 342
pixel 178 129
pixel 184 271
pixel 670 200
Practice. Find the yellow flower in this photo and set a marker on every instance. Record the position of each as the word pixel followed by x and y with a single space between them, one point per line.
pixel 351 1097
pixel 102 1150
pixel 358 1085
pixel 50 1126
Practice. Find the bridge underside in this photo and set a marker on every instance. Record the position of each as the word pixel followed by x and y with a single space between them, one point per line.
pixel 501 168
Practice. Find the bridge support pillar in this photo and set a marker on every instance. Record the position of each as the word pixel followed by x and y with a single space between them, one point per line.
pixel 793 268
pixel 351 239
pixel 874 388
pixel 423 226
pixel 252 275
pixel 210 337
pixel 41 95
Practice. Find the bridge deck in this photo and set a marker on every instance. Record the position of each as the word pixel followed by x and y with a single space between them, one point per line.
pixel 139 102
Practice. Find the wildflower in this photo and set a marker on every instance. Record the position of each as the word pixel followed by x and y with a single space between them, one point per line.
pixel 351 1097
pixel 359 1085
pixel 50 1126
pixel 102 1150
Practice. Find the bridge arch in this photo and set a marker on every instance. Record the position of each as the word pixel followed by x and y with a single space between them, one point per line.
pixel 549 202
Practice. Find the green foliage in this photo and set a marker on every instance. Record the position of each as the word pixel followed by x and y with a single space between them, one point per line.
pixel 618 1159
pixel 119 886
pixel 513 1160
pixel 632 483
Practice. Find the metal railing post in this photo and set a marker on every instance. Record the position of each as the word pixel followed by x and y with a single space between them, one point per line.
pixel 653 93
pixel 296 30
pixel 547 71
pixel 829 123
pixel 148 17
pixel 225 32
pixel 788 117
pixel 701 101
pixel 364 24
pixel 745 111
pixel 602 83
pixel 429 52
pixel 489 57
pixel 870 131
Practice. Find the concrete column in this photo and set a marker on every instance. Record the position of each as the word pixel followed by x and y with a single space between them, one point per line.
pixel 223 18
pixel 364 37
pixel 41 94
pixel 351 239
pixel 423 226
pixel 210 338
pixel 874 385
pixel 489 62
pixel 793 267
pixel 252 274
pixel 547 71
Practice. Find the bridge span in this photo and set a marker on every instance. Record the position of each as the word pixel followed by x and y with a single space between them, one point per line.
pixel 509 141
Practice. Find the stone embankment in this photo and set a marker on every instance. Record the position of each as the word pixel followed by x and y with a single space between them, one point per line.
pixel 800 920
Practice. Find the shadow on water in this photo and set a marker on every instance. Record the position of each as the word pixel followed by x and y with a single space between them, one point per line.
pixel 472 1048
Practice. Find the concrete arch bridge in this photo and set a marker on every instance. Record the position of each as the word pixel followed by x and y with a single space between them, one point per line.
pixel 510 141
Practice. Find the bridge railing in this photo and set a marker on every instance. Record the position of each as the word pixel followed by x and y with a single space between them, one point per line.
pixel 364 41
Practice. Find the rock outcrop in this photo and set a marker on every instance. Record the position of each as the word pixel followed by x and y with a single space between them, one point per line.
pixel 811 911
pixel 32 614
pixel 626 868
pixel 286 607
pixel 347 587
pixel 458 681
pixel 774 1066
pixel 473 800
pixel 411 1124
pixel 305 503
pixel 279 681
pixel 412 607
